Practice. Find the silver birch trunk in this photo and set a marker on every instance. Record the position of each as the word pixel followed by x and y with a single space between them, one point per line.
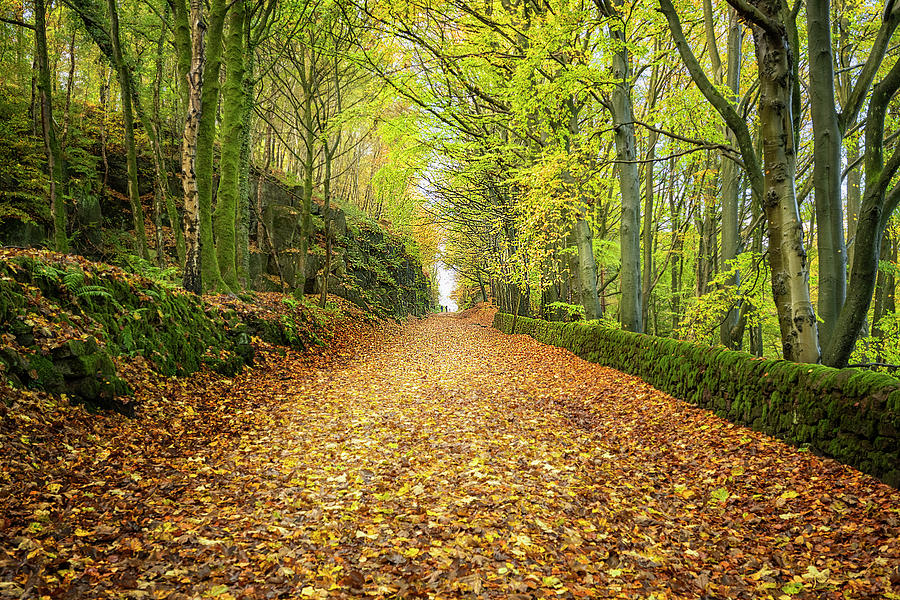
pixel 192 274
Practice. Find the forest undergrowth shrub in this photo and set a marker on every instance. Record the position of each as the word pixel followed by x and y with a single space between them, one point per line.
pixel 63 319
pixel 24 186
pixel 744 287
pixel 883 347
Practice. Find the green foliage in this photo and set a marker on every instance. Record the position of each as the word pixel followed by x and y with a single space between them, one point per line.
pixel 24 187
pixel 406 157
pixel 165 277
pixel 884 347
pixel 74 281
pixel 574 311
pixel 606 253
pixel 705 314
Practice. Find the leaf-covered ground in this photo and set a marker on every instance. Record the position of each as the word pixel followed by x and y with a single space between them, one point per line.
pixel 438 460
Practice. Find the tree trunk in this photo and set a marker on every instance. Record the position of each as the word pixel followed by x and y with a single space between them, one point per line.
pixel 787 256
pixel 326 213
pixel 228 197
pixel 629 186
pixel 247 120
pixel 309 88
pixel 330 147
pixel 484 297
pixel 134 195
pixel 587 269
pixel 854 196
pixel 827 137
pixel 648 220
pixel 193 276
pixel 160 189
pixel 183 40
pixel 55 163
pixel 874 213
pixel 731 332
pixel 104 115
pixel 677 261
pixel 706 232
pixel 206 136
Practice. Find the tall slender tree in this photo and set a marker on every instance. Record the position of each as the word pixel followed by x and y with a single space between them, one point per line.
pixel 55 162
pixel 193 274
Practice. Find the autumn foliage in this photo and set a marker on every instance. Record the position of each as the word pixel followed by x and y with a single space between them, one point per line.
pixel 440 459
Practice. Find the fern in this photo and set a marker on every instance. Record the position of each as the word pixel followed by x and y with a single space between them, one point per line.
pixel 163 277
pixel 74 281
pixel 94 291
pixel 48 271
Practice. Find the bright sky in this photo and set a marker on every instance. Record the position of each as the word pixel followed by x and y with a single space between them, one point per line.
pixel 446 285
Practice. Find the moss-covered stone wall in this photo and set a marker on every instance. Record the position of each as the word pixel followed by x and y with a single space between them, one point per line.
pixel 851 415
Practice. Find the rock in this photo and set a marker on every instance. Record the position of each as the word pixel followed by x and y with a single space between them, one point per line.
pixel 274 192
pixel 314 263
pixel 89 217
pixel 284 225
pixel 338 222
pixel 258 264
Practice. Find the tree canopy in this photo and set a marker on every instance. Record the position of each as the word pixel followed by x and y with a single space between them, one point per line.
pixel 718 170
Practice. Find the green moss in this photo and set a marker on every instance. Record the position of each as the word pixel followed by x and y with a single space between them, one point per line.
pixel 849 414
pixel 45 375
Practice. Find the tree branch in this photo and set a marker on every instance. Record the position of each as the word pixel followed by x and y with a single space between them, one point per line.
pixel 756 17
pixel 864 82
pixel 725 108
pixel 17 22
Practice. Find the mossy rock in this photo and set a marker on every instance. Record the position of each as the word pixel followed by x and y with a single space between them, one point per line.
pixel 45 375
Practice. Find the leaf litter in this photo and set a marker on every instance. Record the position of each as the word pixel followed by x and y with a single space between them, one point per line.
pixel 441 459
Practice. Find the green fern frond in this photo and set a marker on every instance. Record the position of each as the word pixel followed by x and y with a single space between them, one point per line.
pixel 74 280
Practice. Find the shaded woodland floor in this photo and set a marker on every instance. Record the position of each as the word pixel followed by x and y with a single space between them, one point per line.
pixel 442 459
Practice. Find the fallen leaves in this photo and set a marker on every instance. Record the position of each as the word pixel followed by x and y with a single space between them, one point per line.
pixel 443 460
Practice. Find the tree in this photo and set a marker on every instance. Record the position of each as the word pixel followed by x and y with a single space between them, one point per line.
pixel 110 45
pixel 55 162
pixel 629 178
pixel 776 186
pixel 879 201
pixel 228 202
pixel 205 141
pixel 193 274
pixel 134 195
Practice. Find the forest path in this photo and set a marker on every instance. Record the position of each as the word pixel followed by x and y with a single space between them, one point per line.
pixel 449 460
pixel 457 461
